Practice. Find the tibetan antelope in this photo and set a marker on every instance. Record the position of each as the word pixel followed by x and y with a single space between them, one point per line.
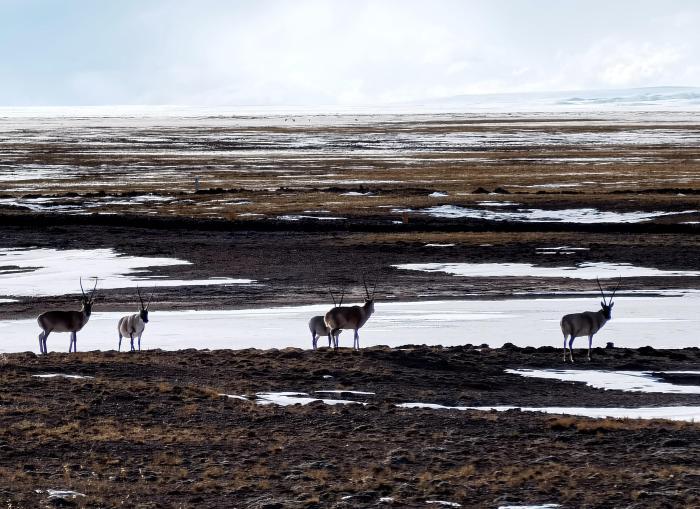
pixel 317 324
pixel 66 321
pixel 587 323
pixel 350 317
pixel 133 325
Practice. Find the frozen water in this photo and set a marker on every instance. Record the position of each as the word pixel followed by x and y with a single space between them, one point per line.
pixel 587 270
pixel 630 381
pixel 48 272
pixel 673 413
pixel 443 503
pixel 660 322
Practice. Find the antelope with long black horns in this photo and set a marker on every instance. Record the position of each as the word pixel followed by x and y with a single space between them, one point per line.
pixel 317 324
pixel 66 321
pixel 134 325
pixel 350 317
pixel 587 323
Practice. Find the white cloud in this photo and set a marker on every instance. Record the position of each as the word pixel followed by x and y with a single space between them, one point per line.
pixel 350 51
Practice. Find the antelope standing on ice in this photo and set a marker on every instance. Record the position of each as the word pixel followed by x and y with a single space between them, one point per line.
pixel 66 321
pixel 134 325
pixel 587 323
pixel 317 325
pixel 350 317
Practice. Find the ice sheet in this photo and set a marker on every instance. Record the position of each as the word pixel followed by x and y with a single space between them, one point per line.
pixel 48 272
pixel 673 413
pixel 630 381
pixel 660 322
pixel 586 270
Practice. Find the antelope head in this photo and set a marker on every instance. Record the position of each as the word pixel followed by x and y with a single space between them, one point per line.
pixel 85 300
pixel 606 306
pixel 143 312
pixel 369 301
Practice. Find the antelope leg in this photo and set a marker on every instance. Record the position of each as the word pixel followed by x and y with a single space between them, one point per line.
pixel 590 342
pixel 571 349
pixel 139 342
pixel 120 342
pixel 132 341
pixel 565 338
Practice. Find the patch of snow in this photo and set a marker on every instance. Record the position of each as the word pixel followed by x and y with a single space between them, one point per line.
pixel 438 194
pixel 497 203
pixel 341 391
pixel 294 398
pixel 443 503
pixel 61 375
pixel 629 381
pixel 587 270
pixel 296 217
pixel 63 494
pixel 583 215
pixel 235 396
pixel 439 245
pixel 50 272
pixel 671 413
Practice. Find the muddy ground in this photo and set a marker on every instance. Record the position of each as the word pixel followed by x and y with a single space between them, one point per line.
pixel 153 430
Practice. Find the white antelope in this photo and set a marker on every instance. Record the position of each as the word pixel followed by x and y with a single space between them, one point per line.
pixel 66 321
pixel 350 317
pixel 317 325
pixel 134 325
pixel 587 323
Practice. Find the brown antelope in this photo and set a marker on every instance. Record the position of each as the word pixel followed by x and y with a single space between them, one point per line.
pixel 350 317
pixel 134 325
pixel 587 323
pixel 66 321
pixel 317 324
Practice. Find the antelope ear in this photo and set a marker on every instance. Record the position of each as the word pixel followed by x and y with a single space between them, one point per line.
pixel 602 303
pixel 611 305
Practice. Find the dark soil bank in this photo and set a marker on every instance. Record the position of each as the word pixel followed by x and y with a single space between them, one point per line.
pixel 154 430
pixel 300 267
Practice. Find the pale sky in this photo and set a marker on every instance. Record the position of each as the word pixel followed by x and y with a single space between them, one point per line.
pixel 342 52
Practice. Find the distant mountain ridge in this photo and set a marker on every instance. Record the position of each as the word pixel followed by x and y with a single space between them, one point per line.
pixel 656 98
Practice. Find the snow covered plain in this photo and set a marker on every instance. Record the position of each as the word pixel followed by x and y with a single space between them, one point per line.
pixel 660 322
